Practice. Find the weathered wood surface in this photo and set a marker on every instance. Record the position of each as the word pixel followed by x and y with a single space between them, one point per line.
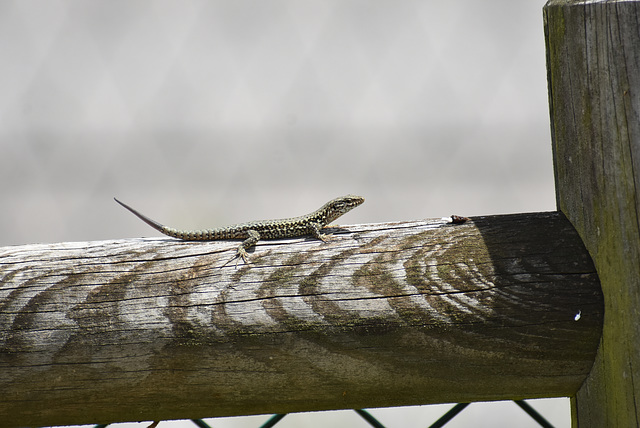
pixel 501 307
pixel 593 61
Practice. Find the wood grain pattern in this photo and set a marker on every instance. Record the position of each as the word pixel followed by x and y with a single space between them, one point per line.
pixel 500 307
pixel 593 61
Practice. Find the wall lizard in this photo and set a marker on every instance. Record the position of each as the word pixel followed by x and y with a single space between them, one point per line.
pixel 251 232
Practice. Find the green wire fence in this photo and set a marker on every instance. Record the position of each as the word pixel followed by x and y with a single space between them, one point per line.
pixel 442 421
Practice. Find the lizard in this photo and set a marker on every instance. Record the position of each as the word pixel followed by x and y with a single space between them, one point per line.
pixel 251 232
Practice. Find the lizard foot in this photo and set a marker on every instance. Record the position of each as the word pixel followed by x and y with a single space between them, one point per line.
pixel 241 253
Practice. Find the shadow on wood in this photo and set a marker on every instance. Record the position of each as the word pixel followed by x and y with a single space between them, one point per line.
pixel 501 307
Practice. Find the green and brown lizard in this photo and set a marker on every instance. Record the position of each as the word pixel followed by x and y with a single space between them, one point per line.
pixel 251 232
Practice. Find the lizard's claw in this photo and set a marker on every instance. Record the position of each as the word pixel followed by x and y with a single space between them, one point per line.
pixel 324 237
pixel 240 254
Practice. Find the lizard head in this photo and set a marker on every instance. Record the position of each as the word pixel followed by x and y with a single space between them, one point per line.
pixel 340 206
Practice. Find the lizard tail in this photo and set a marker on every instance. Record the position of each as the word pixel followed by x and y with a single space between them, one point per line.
pixel 157 226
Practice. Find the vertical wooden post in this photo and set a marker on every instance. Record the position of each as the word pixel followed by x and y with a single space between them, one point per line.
pixel 593 63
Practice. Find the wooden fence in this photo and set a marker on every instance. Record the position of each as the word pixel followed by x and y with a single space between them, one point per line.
pixel 499 307
pixel 383 315
pixel 593 63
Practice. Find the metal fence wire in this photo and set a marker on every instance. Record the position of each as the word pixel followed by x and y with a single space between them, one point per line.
pixel 442 421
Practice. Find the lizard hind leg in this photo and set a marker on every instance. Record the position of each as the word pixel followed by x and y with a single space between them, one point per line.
pixel 241 251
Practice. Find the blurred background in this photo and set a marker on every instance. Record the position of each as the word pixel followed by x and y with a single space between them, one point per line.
pixel 206 113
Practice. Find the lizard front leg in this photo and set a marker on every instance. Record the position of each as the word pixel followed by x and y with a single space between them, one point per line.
pixel 314 230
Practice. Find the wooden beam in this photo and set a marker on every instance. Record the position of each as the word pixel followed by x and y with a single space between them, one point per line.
pixel 501 307
pixel 593 62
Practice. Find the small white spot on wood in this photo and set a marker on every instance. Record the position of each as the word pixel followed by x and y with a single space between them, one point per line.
pixel 578 316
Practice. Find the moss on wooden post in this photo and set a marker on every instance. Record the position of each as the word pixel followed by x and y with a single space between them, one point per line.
pixel 593 62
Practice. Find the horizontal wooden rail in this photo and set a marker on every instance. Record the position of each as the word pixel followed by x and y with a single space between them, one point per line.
pixel 500 307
